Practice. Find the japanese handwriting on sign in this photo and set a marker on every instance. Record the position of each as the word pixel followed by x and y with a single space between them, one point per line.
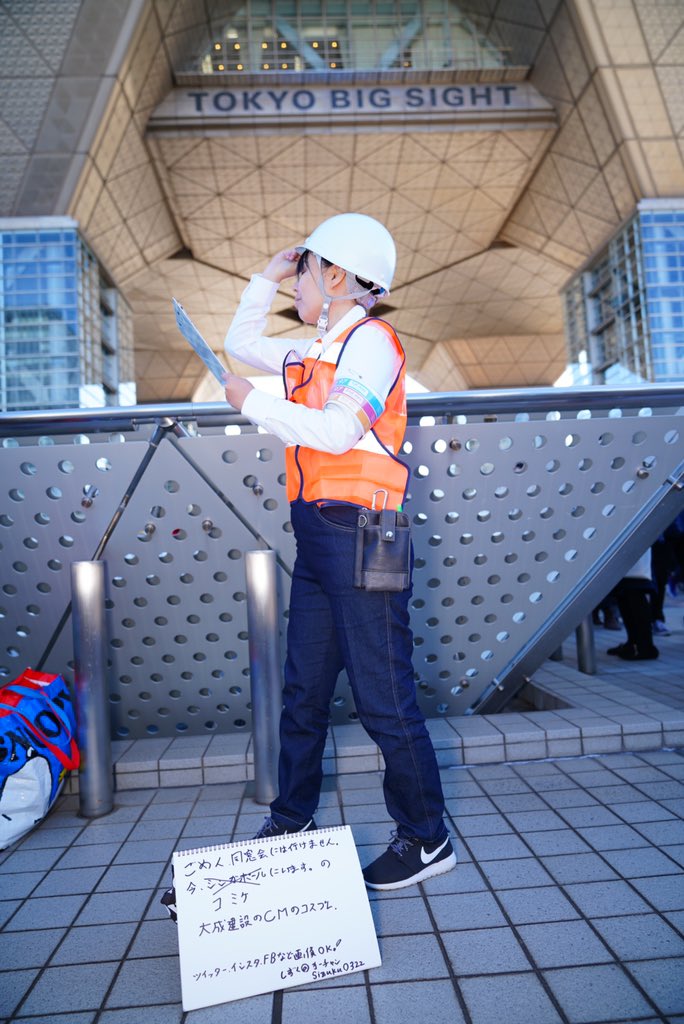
pixel 298 956
pixel 267 917
pixel 259 915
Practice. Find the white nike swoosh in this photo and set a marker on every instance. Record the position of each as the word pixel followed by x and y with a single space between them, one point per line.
pixel 427 858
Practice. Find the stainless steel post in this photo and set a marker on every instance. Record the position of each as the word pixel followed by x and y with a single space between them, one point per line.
pixel 95 786
pixel 265 673
pixel 586 648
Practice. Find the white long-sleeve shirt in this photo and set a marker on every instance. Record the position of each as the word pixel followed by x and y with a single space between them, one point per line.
pixel 368 367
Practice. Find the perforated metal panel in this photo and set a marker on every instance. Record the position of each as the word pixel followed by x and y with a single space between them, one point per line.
pixel 509 519
pixel 520 524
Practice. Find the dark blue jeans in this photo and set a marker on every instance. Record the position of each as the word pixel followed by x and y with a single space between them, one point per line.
pixel 332 626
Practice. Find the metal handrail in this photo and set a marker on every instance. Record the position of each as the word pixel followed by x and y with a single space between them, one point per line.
pixel 440 403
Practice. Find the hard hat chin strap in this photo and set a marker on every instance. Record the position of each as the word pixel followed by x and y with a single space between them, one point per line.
pixel 364 296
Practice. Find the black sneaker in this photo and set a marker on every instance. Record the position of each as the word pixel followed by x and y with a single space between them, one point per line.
pixel 271 827
pixel 408 860
pixel 168 900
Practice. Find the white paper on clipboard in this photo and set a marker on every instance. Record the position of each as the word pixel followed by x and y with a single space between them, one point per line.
pixel 191 334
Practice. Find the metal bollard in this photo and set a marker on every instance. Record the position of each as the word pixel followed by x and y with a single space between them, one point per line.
pixel 265 672
pixel 92 704
pixel 586 648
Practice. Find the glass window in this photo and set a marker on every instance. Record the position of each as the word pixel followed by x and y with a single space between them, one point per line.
pixel 331 35
pixel 48 330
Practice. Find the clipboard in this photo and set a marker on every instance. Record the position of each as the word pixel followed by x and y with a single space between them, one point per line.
pixel 193 336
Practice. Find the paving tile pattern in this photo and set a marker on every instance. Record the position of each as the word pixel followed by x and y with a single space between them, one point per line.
pixel 567 904
pixel 566 907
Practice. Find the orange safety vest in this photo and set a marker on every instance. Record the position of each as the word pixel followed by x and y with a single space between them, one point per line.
pixel 372 464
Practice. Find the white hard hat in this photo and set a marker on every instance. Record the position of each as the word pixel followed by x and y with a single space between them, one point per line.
pixel 358 244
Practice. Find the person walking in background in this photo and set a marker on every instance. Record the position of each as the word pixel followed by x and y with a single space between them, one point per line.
pixel 634 594
pixel 343 419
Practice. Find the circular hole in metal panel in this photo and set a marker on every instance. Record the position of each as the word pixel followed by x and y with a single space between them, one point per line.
pixel 171 486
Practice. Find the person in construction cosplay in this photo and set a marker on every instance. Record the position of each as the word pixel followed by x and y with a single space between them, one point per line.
pixel 343 421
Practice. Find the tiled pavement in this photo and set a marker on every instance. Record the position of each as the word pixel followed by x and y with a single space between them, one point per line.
pixel 567 904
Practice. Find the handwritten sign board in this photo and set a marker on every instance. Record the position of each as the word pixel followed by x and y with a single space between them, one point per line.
pixel 267 914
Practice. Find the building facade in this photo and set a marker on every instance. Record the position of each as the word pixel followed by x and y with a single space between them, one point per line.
pixel 625 309
pixel 507 144
pixel 66 332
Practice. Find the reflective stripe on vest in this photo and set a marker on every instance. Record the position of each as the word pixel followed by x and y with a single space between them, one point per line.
pixel 372 464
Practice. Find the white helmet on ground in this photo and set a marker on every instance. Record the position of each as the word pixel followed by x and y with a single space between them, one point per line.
pixel 358 244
